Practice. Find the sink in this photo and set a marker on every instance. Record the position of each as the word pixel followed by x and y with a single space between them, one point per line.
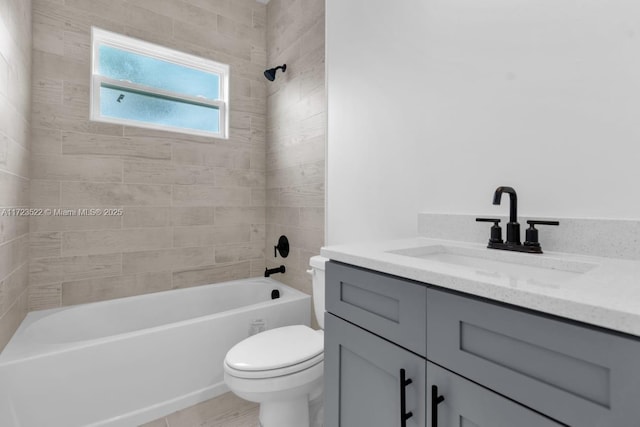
pixel 533 268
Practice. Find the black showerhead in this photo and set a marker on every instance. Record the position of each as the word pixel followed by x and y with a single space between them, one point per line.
pixel 270 74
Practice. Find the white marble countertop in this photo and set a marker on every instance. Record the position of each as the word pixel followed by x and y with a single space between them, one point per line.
pixel 599 291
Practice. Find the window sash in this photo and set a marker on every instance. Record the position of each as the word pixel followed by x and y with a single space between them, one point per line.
pixel 157 72
pixel 99 81
pixel 101 37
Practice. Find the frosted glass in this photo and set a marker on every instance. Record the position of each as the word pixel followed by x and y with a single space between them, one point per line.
pixel 130 105
pixel 122 65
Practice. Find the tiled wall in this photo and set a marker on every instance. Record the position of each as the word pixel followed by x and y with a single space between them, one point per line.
pixel 194 207
pixel 15 96
pixel 296 123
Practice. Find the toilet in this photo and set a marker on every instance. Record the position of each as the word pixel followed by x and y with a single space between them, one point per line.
pixel 282 368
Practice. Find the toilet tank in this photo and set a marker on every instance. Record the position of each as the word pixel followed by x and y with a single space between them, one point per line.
pixel 317 264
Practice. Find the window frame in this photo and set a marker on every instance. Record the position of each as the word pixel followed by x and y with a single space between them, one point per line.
pixel 101 37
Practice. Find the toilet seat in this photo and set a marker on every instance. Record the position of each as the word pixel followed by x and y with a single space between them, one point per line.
pixel 273 373
pixel 274 353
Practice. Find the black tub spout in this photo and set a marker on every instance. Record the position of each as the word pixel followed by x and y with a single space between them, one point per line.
pixel 269 271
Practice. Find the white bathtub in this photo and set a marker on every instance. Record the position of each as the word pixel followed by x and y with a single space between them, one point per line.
pixel 128 361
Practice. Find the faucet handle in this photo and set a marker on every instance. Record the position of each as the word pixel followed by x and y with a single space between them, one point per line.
pixel 494 220
pixel 496 231
pixel 532 231
pixel 534 222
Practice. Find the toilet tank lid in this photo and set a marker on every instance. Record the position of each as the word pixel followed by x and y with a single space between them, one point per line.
pixel 318 262
pixel 276 348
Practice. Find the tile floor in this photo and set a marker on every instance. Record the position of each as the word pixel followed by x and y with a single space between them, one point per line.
pixel 226 410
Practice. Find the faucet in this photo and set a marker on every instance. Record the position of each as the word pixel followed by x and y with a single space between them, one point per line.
pixel 513 228
pixel 531 245
pixel 269 271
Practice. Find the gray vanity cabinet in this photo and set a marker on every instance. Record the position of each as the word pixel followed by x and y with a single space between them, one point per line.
pixel 362 382
pixel 496 365
pixel 467 404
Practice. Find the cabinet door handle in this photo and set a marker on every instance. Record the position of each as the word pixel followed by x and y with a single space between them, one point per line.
pixel 404 382
pixel 435 401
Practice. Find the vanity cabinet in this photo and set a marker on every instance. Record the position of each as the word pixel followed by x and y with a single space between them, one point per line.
pixel 495 364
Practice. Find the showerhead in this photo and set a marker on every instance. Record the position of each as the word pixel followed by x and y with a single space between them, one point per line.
pixel 270 74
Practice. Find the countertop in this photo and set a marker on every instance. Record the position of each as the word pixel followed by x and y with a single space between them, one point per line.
pixel 604 292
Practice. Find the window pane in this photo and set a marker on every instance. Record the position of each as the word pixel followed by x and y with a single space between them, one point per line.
pixel 122 65
pixel 125 104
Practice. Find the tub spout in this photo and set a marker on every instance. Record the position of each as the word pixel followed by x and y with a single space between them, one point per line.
pixel 269 271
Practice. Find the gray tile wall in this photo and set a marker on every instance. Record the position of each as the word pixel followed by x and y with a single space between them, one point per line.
pixel 194 207
pixel 15 144
pixel 296 130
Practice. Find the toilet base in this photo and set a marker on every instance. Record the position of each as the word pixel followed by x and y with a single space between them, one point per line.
pixel 284 400
pixel 285 413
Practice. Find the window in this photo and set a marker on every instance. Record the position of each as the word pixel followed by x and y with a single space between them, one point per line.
pixel 141 84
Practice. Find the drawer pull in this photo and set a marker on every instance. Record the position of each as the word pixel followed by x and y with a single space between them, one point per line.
pixel 404 382
pixel 435 401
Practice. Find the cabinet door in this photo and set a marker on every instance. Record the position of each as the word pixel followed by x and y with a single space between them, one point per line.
pixel 578 375
pixel 362 379
pixel 467 404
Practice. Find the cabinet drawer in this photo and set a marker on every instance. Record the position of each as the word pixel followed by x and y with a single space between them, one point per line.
pixel 388 306
pixel 578 375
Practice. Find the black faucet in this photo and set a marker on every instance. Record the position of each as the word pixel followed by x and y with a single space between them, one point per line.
pixel 513 228
pixel 269 271
pixel 531 244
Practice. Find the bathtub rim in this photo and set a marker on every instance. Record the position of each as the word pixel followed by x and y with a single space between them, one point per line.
pixel 52 349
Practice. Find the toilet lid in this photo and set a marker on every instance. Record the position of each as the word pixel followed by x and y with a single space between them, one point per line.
pixel 275 349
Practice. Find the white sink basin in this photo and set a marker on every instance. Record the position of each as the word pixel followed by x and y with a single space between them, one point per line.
pixel 518 266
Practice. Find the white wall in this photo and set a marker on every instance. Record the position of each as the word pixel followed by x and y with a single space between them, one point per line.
pixel 434 104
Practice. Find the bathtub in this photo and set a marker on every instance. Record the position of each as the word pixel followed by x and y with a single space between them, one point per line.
pixel 128 361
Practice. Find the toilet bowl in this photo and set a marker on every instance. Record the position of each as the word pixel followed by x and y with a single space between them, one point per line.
pixel 282 368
